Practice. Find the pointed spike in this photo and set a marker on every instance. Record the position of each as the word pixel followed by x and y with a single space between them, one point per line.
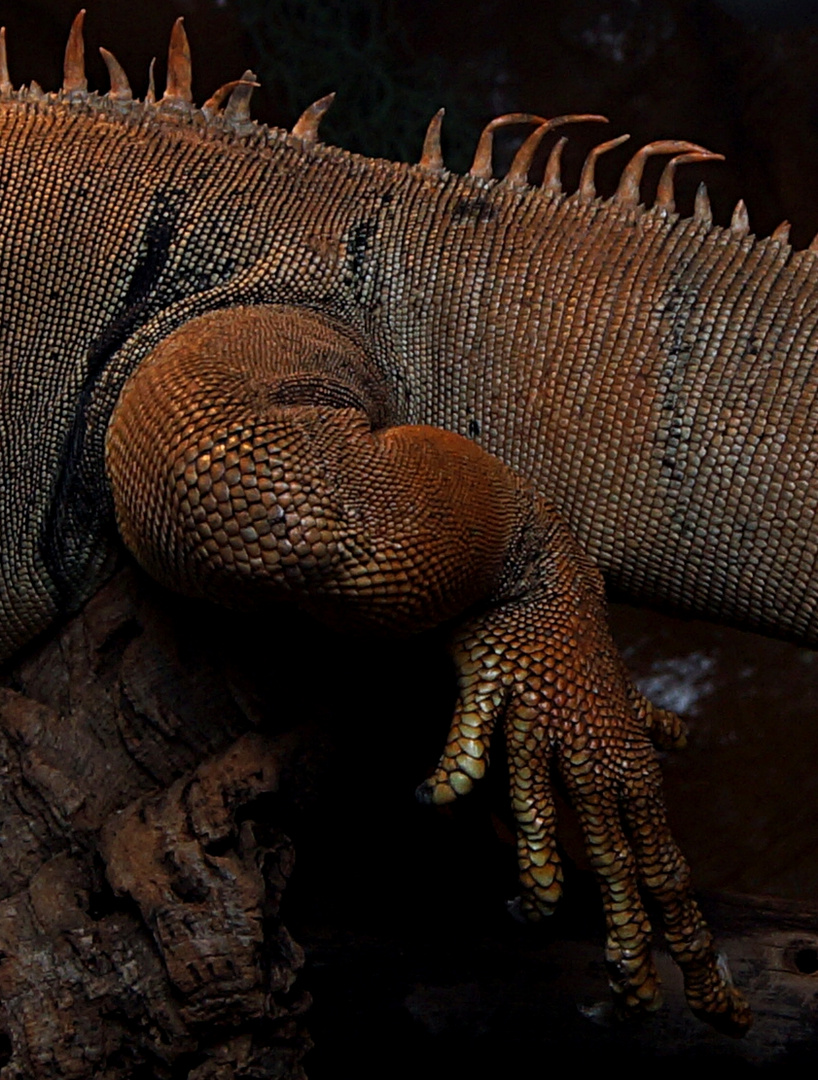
pixel 215 102
pixel 74 65
pixel 481 166
pixel 5 81
pixel 628 194
pixel 701 208
pixel 35 90
pixel 237 109
pixel 587 184
pixel 781 233
pixel 306 126
pixel 150 96
pixel 664 191
pixel 740 223
pixel 120 87
pixel 552 180
pixel 517 175
pixel 665 195
pixel 431 156
pixel 180 73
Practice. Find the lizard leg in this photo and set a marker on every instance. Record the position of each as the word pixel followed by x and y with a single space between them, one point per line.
pixel 540 660
pixel 666 875
pixel 249 461
pixel 246 467
pixel 667 730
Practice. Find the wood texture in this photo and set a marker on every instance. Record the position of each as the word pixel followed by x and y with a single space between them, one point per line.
pixel 142 872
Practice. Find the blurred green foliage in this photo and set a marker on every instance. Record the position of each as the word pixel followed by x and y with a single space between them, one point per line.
pixel 388 86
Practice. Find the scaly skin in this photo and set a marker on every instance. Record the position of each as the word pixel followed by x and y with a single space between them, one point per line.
pixel 388 386
pixel 245 466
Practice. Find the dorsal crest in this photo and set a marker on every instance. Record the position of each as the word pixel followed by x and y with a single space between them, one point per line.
pixel 229 106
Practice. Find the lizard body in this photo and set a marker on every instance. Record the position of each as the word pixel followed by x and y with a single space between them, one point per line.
pixel 700 372
pixel 292 372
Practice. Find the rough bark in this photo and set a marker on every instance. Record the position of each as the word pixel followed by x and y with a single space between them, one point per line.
pixel 141 869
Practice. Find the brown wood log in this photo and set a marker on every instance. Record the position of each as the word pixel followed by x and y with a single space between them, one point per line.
pixel 141 875
pixel 152 750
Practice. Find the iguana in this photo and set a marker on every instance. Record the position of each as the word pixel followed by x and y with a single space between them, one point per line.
pixel 400 397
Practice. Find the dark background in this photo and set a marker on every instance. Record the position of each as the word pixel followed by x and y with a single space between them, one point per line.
pixel 738 77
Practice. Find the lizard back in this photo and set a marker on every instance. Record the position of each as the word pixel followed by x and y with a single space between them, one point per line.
pixel 653 376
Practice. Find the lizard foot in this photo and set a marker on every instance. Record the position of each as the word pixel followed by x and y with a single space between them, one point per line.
pixel 543 664
pixel 405 528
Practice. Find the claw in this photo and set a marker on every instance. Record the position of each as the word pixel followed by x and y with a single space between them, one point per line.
pixel 425 794
pixel 735 1018
pixel 666 729
pixel 546 667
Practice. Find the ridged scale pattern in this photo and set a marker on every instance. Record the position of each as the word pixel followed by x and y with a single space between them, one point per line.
pixel 652 376
pixel 252 345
